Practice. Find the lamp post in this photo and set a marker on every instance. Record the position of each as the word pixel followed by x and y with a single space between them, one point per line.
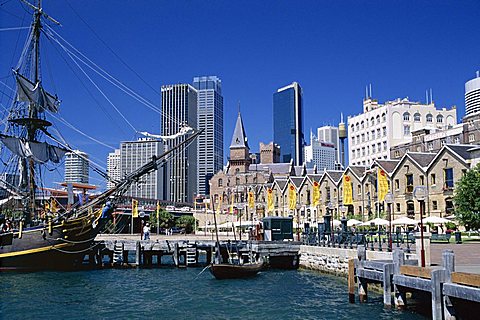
pixel 330 209
pixel 389 198
pixel 420 193
pixel 298 207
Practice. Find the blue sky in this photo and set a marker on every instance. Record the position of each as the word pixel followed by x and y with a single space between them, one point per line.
pixel 332 48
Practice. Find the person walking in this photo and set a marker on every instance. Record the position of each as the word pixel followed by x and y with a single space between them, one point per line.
pixel 146 231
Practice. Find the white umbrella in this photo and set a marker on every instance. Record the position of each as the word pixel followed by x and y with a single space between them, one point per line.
pixel 246 223
pixel 353 222
pixel 376 221
pixel 436 220
pixel 451 217
pixel 226 225
pixel 404 221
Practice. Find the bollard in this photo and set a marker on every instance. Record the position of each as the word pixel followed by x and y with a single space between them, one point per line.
pixel 400 297
pixel 351 280
pixel 138 253
pixel 387 284
pixel 448 262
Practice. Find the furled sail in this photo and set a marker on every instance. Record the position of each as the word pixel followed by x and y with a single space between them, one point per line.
pixel 28 91
pixel 40 152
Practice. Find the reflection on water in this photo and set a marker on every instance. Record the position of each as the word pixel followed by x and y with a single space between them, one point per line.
pixel 170 293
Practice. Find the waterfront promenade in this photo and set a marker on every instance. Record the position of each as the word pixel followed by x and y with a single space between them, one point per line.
pixel 467 255
pixel 174 237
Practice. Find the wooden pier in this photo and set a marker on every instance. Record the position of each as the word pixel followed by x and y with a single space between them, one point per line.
pixel 184 253
pixel 452 294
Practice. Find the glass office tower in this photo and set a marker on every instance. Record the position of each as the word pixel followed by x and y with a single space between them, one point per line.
pixel 288 123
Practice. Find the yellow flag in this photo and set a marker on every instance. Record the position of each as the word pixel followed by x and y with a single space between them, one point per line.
pixel 231 204
pixel 158 209
pixel 53 205
pixel 270 206
pixel 382 184
pixel 292 197
pixel 316 193
pixel 347 190
pixel 251 200
pixel 134 208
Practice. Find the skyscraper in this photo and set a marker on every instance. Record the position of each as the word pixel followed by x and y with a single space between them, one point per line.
pixel 209 118
pixel 179 107
pixel 113 167
pixel 133 155
pixel 76 167
pixel 472 96
pixel 288 123
pixel 330 134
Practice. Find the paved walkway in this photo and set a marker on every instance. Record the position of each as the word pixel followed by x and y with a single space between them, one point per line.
pixel 467 255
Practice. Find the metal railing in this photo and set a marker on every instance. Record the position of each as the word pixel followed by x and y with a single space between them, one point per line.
pixel 372 240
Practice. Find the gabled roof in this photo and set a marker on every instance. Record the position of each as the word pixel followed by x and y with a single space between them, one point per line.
pixel 335 175
pixel 423 159
pixel 461 150
pixel 281 183
pixel 314 177
pixel 239 139
pixel 387 165
pixel 297 181
pixel 275 168
pixel 358 171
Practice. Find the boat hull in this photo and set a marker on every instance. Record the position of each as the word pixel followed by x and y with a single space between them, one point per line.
pixel 233 271
pixel 38 249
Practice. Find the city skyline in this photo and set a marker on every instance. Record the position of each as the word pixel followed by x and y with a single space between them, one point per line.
pixel 333 50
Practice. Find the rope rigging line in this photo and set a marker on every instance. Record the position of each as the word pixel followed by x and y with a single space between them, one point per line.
pixel 14 28
pixel 103 73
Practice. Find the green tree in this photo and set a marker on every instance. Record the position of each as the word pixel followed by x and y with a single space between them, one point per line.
pixel 467 199
pixel 187 222
pixel 166 219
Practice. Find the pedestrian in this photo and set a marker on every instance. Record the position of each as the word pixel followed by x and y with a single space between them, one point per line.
pixel 146 232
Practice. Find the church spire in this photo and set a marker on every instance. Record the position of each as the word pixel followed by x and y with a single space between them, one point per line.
pixel 239 139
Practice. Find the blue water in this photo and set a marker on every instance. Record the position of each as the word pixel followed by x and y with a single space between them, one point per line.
pixel 170 293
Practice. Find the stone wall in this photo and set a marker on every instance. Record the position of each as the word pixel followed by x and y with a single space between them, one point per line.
pixel 334 260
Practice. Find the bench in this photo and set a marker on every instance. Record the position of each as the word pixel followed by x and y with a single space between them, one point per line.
pixel 440 237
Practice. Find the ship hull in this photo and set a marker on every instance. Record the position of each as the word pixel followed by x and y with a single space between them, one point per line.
pixel 231 271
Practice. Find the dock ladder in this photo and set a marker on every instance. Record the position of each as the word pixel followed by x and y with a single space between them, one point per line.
pixel 118 253
pixel 191 255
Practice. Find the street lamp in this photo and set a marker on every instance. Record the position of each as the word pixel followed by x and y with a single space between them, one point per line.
pixel 420 193
pixel 389 198
pixel 330 210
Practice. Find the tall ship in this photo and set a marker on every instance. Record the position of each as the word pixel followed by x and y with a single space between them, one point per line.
pixel 33 236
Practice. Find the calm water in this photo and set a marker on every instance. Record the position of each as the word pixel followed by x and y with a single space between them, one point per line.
pixel 170 293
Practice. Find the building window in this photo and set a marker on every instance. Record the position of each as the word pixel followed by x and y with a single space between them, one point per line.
pixel 439 118
pixel 359 188
pixel 384 145
pixel 378 133
pixel 397 154
pixel 448 178
pixel 430 146
pixel 471 137
pixel 433 179
pixel 406 116
pixel 434 205
pixel 384 131
pixel 422 180
pixel 373 148
pixel 409 182
pixel 429 118
pixel 406 130
pixel 378 119
pixel 416 117
pixel 352 128
pixel 220 182
pixel 358 126
pixel 363 137
pixel 362 124
pixel 384 117
pixel 397 184
pixel 397 205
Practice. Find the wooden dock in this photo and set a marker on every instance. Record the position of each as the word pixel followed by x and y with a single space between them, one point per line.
pixel 452 294
pixel 185 253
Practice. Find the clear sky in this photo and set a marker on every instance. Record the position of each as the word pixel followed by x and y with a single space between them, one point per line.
pixel 332 48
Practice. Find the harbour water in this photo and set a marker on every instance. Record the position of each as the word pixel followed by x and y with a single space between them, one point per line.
pixel 169 293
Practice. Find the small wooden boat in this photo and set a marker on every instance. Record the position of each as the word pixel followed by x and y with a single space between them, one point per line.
pixel 235 271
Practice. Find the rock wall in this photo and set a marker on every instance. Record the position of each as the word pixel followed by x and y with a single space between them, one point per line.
pixel 334 260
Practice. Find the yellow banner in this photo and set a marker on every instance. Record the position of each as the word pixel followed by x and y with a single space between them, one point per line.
pixel 270 206
pixel 316 193
pixel 292 197
pixel 251 200
pixel 158 209
pixel 53 205
pixel 347 190
pixel 382 184
pixel 134 208
pixel 231 204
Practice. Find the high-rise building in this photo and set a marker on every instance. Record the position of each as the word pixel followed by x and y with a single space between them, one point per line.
pixel 76 167
pixel 179 107
pixel 209 118
pixel 329 134
pixel 113 168
pixel 133 155
pixel 320 153
pixel 472 96
pixel 383 126
pixel 288 123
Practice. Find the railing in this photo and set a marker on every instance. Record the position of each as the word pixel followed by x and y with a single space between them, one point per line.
pixel 372 240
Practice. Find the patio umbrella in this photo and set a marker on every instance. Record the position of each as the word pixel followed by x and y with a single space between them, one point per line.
pixel 404 221
pixel 376 221
pixel 226 225
pixel 353 222
pixel 436 220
